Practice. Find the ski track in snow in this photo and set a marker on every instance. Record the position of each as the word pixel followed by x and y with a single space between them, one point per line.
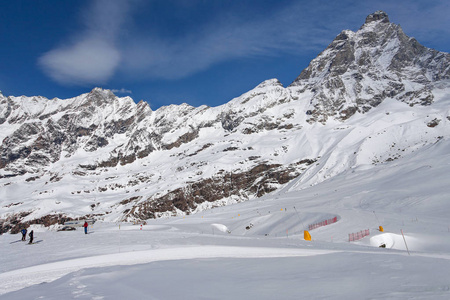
pixel 21 278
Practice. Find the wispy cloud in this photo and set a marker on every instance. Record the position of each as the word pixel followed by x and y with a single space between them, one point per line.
pixel 288 30
pixel 93 55
pixel 101 51
pixel 89 60
pixel 121 91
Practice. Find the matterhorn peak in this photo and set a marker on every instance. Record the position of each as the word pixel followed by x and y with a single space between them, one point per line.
pixel 378 61
pixel 377 16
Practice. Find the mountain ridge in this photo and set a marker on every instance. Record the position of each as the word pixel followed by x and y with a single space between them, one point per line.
pixel 98 155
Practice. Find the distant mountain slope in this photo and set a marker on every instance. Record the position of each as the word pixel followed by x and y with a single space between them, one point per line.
pixel 373 96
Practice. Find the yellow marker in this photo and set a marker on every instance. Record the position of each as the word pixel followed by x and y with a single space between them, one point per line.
pixel 307 236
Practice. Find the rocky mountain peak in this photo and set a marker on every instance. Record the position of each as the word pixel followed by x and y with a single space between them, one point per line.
pixel 101 96
pixel 269 82
pixel 377 16
pixel 359 70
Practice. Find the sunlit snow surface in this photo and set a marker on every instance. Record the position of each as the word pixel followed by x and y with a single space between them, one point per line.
pixel 212 254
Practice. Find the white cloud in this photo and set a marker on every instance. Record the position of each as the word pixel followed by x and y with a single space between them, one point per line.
pixel 122 91
pixel 90 60
pixel 92 57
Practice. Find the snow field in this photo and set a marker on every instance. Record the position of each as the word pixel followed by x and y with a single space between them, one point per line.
pixel 264 261
pixel 113 262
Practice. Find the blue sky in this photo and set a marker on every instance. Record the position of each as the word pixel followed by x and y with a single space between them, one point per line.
pixel 174 51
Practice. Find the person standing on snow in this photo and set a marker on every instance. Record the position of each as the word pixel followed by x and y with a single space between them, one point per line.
pixel 85 226
pixel 24 234
pixel 31 237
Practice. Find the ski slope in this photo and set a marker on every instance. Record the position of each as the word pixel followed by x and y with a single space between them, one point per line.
pixel 256 250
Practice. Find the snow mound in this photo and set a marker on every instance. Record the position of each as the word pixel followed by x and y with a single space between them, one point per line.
pixel 221 227
pixel 393 241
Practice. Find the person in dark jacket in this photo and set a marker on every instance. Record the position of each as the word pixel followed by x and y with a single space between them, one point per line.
pixel 31 237
pixel 24 234
pixel 85 227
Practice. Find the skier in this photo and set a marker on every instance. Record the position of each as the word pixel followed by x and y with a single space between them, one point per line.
pixel 85 227
pixel 24 234
pixel 31 237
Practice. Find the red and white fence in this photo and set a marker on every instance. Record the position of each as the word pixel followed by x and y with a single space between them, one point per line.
pixel 358 235
pixel 323 223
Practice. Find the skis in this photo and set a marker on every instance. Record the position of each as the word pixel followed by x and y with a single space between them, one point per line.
pixel 34 242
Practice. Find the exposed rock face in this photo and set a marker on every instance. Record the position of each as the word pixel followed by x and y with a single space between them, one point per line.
pixel 359 70
pixel 377 16
pixel 258 181
pixel 15 223
pixel 108 157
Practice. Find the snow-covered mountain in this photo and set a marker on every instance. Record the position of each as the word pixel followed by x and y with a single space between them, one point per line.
pixel 359 70
pixel 372 97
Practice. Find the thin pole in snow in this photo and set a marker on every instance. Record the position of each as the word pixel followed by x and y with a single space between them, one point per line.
pixel 405 242
pixel 299 218
pixel 376 217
